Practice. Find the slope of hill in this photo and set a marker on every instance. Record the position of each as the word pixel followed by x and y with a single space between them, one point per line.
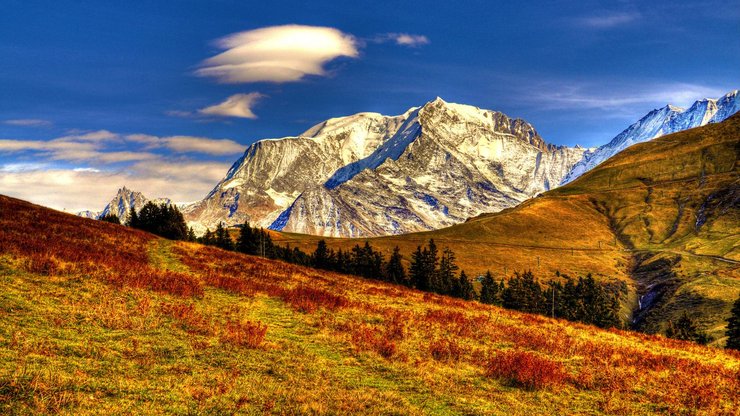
pixel 659 122
pixel 661 215
pixel 97 318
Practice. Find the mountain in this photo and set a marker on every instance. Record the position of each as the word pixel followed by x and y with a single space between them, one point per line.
pixel 121 204
pixel 93 215
pixel 272 173
pixel 370 174
pixel 447 163
pixel 97 316
pixel 661 218
pixel 656 123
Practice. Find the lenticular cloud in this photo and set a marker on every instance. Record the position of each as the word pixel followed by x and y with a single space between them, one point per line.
pixel 277 54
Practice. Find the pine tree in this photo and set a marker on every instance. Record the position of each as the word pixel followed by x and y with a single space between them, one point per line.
pixel 524 294
pixel 208 238
pixel 321 257
pixel 223 239
pixel 733 327
pixel 394 271
pixel 133 219
pixel 489 292
pixel 445 280
pixel 686 329
pixel 466 290
pixel 248 240
pixel 417 272
pixel 191 235
pixel 111 218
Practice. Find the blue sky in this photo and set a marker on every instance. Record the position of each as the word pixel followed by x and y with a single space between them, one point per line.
pixel 94 94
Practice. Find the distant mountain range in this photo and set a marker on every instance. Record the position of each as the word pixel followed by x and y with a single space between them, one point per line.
pixel 433 166
pixel 121 205
pixel 659 122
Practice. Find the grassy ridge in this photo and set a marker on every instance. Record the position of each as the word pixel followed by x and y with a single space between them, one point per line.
pixel 673 200
pixel 126 323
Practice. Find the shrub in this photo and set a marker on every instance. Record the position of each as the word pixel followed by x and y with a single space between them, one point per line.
pixel 307 299
pixel 445 350
pixel 526 369
pixel 244 334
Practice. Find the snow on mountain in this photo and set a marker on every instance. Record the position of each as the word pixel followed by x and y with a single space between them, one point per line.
pixel 272 173
pixel 93 215
pixel 121 205
pixel 446 163
pixel 656 123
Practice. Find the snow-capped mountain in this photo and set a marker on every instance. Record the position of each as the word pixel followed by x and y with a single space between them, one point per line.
pixel 121 205
pixel 369 174
pixel 272 173
pixel 93 215
pixel 446 163
pixel 656 123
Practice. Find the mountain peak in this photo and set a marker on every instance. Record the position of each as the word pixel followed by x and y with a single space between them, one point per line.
pixel 659 122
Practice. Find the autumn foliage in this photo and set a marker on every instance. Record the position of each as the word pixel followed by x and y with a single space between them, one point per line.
pixel 226 304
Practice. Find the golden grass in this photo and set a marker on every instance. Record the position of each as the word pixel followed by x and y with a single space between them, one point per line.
pixel 266 337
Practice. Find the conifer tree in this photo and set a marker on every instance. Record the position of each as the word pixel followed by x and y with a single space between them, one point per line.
pixel 417 270
pixel 208 238
pixel 466 290
pixel 133 219
pixel 248 240
pixel 686 329
pixel 733 327
pixel 111 218
pixel 223 239
pixel 445 280
pixel 321 258
pixel 489 292
pixel 191 235
pixel 394 271
pixel 524 294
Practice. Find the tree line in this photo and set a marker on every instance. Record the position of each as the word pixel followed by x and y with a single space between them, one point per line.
pixel 580 299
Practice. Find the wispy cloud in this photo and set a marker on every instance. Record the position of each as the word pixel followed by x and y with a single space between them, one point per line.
pixel 618 97
pixel 28 122
pixel 103 146
pixel 238 105
pixel 608 20
pixel 277 54
pixel 403 39
pixel 189 144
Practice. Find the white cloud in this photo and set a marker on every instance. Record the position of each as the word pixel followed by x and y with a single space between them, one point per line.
pixel 608 20
pixel 79 189
pixel 189 144
pixel 403 39
pixel 28 122
pixel 238 105
pixel 277 54
pixel 96 147
pixel 103 161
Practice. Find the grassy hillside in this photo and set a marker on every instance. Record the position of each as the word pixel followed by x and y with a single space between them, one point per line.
pixel 100 319
pixel 662 215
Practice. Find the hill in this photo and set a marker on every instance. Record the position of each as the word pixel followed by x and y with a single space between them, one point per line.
pixel 661 215
pixel 99 318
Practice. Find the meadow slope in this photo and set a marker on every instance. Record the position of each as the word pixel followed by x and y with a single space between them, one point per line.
pixel 96 318
pixel 663 216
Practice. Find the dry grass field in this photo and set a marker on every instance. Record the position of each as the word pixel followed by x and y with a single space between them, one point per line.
pixel 100 319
